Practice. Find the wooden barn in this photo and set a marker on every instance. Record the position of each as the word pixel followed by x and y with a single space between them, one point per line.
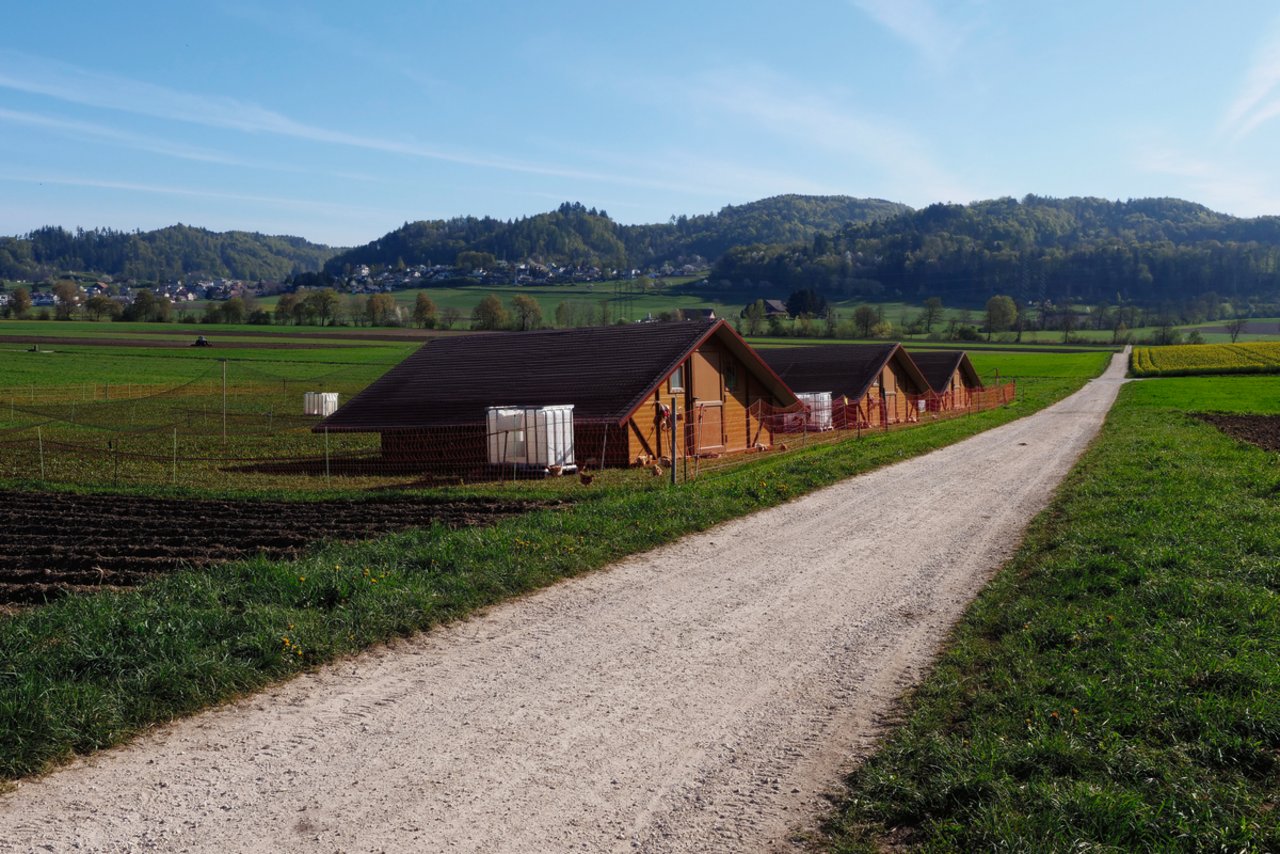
pixel 434 409
pixel 871 385
pixel 951 376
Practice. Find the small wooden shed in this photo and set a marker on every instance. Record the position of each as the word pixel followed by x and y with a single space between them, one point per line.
pixel 620 380
pixel 951 376
pixel 874 384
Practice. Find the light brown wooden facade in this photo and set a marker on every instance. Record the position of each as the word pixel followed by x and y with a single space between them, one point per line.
pixel 713 391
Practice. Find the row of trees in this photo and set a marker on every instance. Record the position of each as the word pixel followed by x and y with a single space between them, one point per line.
pixel 809 315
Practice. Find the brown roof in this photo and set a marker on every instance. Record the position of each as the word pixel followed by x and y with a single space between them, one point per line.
pixel 938 366
pixel 606 372
pixel 845 370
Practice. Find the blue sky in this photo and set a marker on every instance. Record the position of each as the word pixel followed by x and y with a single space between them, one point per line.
pixel 340 121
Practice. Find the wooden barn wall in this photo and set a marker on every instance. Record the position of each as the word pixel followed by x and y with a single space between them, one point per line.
pixel 741 428
pixel 905 405
pixel 960 390
pixel 644 435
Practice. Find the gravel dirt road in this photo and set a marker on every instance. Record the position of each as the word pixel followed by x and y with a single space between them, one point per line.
pixel 701 697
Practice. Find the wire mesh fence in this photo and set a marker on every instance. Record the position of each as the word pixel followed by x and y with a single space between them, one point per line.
pixel 238 427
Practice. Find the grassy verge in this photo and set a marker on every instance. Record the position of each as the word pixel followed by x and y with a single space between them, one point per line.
pixel 1117 687
pixel 85 673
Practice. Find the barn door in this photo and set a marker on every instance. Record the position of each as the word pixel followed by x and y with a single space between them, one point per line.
pixel 707 423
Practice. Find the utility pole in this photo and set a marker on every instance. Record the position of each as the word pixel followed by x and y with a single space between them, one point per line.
pixel 675 438
pixel 224 400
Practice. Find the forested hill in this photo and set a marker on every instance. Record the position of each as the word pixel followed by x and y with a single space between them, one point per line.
pixel 574 234
pixel 1087 249
pixel 778 219
pixel 162 255
pixel 1083 249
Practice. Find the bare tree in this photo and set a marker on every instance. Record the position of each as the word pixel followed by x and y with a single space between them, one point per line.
pixel 1236 325
pixel 932 313
pixel 450 315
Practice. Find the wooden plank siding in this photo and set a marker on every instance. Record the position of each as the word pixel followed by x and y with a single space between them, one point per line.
pixel 714 380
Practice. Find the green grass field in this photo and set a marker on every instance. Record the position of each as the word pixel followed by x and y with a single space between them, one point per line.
pixel 1117 687
pixel 131 361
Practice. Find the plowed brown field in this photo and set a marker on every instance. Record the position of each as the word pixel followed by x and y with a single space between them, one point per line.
pixel 1260 430
pixel 55 543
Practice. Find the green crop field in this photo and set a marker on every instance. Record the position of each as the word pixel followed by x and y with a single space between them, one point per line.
pixel 1023 366
pixel 128 416
pixel 1191 359
pixel 88 364
pixel 1117 687
pixel 89 352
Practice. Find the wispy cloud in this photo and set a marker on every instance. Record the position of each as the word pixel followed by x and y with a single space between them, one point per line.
pixel 1241 192
pixel 88 130
pixel 309 205
pixel 860 141
pixel 918 24
pixel 672 168
pixel 1258 100
pixel 76 85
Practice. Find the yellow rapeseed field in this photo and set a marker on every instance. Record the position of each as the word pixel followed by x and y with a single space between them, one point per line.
pixel 1186 359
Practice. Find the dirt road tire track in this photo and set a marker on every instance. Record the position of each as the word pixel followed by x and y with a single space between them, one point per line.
pixel 700 697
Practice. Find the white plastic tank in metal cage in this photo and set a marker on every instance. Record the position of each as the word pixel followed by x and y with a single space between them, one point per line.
pixel 322 403
pixel 531 436
pixel 817 412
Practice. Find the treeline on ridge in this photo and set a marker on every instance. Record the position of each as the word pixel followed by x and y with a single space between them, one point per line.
pixel 577 235
pixel 1084 250
pixel 166 254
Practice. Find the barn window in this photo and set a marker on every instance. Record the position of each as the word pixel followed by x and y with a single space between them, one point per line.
pixel 731 376
pixel 677 379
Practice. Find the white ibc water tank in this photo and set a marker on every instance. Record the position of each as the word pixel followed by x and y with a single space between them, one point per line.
pixel 530 435
pixel 322 403
pixel 817 406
